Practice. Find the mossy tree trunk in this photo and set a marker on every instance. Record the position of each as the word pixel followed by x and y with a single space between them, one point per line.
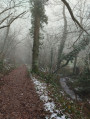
pixel 35 53
pixel 38 18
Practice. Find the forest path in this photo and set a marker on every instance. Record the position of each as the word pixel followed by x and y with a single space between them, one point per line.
pixel 18 98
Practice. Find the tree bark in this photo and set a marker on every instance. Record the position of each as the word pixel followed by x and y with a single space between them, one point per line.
pixel 35 53
pixel 4 44
pixel 51 60
pixel 75 65
pixel 64 37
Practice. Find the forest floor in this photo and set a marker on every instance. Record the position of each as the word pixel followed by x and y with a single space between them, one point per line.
pixel 18 97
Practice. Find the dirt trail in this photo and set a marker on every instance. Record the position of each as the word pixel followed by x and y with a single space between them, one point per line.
pixel 18 98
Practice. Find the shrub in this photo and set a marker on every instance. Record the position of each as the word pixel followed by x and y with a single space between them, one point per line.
pixel 1 66
pixel 84 82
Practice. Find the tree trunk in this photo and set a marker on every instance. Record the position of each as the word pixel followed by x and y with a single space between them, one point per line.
pixel 2 54
pixel 75 65
pixel 51 60
pixel 35 52
pixel 62 43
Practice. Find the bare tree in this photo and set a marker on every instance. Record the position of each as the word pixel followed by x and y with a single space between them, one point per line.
pixel 64 37
pixel 72 15
pixel 9 14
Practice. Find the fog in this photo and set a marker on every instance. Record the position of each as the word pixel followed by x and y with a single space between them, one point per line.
pixel 44 44
pixel 53 31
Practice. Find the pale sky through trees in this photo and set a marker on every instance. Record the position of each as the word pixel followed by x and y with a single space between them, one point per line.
pixel 53 12
pixel 55 19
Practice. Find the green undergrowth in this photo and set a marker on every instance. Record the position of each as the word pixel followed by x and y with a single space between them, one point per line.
pixel 69 107
pixel 5 68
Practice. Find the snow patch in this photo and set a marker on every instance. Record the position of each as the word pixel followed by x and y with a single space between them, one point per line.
pixel 49 104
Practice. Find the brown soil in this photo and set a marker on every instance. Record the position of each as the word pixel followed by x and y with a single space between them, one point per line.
pixel 18 98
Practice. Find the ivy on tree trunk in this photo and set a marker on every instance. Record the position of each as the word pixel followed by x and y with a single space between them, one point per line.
pixel 37 20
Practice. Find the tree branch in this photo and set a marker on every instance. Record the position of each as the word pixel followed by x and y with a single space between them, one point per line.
pixel 72 15
pixel 12 20
pixel 5 18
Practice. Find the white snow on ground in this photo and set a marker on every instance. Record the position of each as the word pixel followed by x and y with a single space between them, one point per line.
pixel 49 104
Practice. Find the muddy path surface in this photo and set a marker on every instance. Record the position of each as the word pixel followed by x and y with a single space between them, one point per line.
pixel 18 98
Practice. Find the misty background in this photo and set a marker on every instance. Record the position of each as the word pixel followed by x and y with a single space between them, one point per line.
pixel 18 44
